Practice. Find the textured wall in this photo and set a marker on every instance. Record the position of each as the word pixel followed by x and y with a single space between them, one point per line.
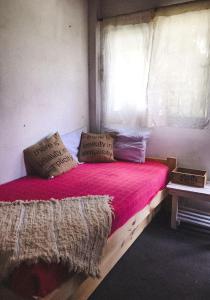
pixel 190 146
pixel 43 74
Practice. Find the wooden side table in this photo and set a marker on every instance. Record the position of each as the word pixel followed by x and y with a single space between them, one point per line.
pixel 195 193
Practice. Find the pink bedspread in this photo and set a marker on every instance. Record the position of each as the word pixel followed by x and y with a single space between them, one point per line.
pixel 132 185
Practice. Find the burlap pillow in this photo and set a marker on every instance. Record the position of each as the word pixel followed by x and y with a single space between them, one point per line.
pixel 96 148
pixel 48 158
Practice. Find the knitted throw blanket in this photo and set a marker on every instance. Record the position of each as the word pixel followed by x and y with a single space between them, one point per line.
pixel 72 231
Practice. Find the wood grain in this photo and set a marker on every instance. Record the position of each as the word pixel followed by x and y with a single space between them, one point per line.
pixel 171 162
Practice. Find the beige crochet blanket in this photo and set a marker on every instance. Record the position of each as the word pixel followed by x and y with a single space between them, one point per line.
pixel 72 231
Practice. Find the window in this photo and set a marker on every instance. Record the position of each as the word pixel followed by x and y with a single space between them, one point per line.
pixel 156 68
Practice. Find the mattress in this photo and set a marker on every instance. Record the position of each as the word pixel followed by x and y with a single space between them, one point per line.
pixel 132 186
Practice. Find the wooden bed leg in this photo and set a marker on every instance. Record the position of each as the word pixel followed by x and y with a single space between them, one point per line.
pixel 172 163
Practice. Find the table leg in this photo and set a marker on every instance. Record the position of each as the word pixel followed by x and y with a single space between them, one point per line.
pixel 174 211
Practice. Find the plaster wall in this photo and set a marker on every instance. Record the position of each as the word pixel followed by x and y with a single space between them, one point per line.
pixel 190 146
pixel 43 75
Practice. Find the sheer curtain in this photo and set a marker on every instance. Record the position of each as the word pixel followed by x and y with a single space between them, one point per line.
pixel 156 69
pixel 126 56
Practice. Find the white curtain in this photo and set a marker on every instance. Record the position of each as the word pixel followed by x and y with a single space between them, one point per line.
pixel 126 56
pixel 156 69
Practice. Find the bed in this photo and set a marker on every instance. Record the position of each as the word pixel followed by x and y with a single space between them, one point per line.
pixel 137 191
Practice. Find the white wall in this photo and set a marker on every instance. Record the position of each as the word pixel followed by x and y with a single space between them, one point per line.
pixel 43 74
pixel 190 146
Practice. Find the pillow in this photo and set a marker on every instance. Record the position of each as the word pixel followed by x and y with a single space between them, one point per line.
pixel 72 140
pixel 138 133
pixel 48 158
pixel 130 148
pixel 96 148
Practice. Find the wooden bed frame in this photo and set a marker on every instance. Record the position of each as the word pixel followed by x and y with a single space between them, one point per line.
pixel 78 288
